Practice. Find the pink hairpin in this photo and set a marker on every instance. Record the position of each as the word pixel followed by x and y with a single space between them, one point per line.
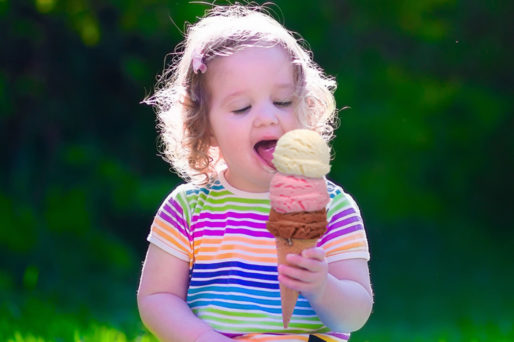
pixel 197 61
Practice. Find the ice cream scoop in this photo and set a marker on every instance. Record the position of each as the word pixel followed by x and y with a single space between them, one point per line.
pixel 302 152
pixel 295 193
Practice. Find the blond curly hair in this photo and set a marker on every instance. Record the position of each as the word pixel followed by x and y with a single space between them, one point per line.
pixel 181 98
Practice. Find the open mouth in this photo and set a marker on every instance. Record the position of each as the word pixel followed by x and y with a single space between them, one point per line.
pixel 265 149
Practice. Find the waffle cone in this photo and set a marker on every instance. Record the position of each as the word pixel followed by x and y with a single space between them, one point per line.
pixel 289 296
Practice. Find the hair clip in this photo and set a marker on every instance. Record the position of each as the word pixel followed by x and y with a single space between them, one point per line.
pixel 197 61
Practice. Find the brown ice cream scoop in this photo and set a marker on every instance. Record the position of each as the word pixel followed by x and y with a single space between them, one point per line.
pixel 298 225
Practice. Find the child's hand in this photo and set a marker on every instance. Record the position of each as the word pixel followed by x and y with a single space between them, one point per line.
pixel 306 273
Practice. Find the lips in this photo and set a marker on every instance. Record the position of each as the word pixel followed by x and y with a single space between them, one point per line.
pixel 265 149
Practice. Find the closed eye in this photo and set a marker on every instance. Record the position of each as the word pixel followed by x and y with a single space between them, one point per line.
pixel 242 110
pixel 282 103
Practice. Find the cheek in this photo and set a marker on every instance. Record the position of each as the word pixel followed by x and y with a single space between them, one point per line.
pixel 219 137
pixel 213 141
pixel 294 120
pixel 298 117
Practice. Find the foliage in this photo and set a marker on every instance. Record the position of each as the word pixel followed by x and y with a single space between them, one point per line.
pixel 426 149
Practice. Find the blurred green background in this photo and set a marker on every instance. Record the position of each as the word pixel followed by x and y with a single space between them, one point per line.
pixel 426 149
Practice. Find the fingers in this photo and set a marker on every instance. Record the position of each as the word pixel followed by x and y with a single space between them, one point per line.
pixel 317 253
pixel 300 263
pixel 311 259
pixel 306 272
pixel 304 281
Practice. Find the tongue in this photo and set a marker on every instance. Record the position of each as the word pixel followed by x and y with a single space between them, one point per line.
pixel 265 151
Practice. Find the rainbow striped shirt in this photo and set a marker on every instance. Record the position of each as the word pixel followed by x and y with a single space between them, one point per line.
pixel 221 231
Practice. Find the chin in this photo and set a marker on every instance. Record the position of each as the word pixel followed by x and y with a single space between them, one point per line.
pixel 267 178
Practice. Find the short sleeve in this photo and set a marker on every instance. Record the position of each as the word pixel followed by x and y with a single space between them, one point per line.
pixel 170 228
pixel 345 237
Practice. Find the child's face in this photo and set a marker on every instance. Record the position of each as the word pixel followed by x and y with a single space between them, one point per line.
pixel 251 105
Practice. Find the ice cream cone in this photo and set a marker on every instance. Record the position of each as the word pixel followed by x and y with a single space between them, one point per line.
pixel 298 198
pixel 289 296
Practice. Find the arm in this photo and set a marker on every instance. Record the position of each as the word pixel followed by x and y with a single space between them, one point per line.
pixel 339 292
pixel 161 300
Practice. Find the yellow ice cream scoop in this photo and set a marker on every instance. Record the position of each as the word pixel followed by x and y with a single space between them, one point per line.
pixel 302 152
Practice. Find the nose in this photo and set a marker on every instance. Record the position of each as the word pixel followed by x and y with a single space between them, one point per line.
pixel 266 115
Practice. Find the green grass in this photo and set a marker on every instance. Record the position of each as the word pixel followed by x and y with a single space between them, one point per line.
pixel 39 320
pixel 450 331
pixel 445 295
pixel 95 333
pixel 456 288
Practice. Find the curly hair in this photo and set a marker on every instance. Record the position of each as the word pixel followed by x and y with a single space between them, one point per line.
pixel 181 98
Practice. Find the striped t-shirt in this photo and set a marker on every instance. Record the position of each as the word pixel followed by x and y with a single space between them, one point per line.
pixel 221 231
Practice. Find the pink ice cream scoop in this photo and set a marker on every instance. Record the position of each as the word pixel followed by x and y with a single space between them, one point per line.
pixel 289 193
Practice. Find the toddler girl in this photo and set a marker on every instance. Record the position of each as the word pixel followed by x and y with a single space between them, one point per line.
pixel 240 82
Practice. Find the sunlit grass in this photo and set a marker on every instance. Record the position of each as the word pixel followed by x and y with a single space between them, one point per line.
pixel 95 334
pixel 37 320
pixel 484 332
pixel 438 300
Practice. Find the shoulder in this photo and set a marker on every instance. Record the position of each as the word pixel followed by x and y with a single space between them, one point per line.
pixel 186 190
pixel 340 199
pixel 191 195
pixel 191 190
pixel 345 237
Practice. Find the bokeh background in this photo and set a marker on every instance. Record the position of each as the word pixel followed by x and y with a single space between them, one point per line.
pixel 426 149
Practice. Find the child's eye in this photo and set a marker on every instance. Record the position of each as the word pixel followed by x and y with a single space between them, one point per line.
pixel 242 110
pixel 282 103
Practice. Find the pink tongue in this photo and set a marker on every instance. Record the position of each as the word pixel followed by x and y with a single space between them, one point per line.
pixel 265 151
